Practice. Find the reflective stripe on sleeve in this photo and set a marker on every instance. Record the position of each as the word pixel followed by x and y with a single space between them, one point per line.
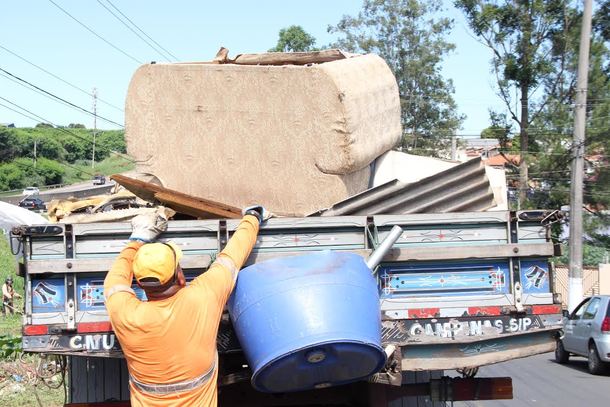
pixel 117 289
pixel 227 263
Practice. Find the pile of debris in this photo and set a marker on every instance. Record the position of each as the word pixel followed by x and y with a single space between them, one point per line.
pixel 304 134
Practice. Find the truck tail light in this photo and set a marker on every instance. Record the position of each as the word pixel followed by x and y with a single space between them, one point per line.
pixel 606 325
pixel 35 330
pixel 87 327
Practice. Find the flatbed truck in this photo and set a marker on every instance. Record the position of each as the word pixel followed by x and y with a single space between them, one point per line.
pixel 457 291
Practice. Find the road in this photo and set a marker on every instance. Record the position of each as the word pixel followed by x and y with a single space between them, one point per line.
pixel 79 190
pixel 539 381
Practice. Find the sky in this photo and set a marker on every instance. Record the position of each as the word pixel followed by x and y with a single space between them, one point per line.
pixel 90 48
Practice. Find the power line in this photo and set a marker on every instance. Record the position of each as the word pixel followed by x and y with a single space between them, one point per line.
pixel 58 78
pixel 29 117
pixel 59 98
pixel 18 112
pixel 32 89
pixel 35 90
pixel 96 34
pixel 135 32
pixel 45 120
pixel 139 29
pixel 57 127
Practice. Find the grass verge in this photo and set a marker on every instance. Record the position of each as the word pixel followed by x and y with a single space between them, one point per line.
pixel 20 382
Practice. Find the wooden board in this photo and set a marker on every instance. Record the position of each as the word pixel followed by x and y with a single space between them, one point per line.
pixel 178 201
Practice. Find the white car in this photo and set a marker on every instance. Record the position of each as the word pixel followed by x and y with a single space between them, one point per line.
pixel 30 191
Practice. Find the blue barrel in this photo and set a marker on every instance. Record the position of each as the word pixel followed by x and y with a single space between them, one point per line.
pixel 308 322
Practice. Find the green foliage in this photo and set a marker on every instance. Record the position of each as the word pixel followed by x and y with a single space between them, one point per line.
pixel 412 40
pixel 499 129
pixel 528 43
pixel 50 148
pixel 50 171
pixel 8 145
pixel 8 265
pixel 11 176
pixel 551 170
pixel 294 39
pixel 592 255
pixel 10 346
pixel 75 149
pixel 601 20
pixel 81 170
pixel 76 126
pixel 54 148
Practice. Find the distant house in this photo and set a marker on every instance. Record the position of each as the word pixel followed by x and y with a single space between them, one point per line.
pixel 503 160
pixel 477 147
pixel 9 125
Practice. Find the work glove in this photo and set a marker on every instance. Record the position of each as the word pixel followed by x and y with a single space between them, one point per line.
pixel 258 211
pixel 147 227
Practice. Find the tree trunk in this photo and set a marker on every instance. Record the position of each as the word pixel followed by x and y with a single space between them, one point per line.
pixel 524 143
pixel 526 49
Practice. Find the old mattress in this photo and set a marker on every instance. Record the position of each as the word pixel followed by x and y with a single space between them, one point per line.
pixel 295 138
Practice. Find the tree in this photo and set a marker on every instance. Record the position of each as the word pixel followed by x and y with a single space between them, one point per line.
pixel 412 40
pixel 8 143
pixel 11 177
pixel 294 39
pixel 554 132
pixel 499 129
pixel 527 39
pixel 50 171
pixel 51 149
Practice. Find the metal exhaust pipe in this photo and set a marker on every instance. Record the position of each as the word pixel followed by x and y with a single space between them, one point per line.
pixel 385 246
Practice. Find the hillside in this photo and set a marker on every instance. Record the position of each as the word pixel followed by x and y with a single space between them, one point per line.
pixel 45 155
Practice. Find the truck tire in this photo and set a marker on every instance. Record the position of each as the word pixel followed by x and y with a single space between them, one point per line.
pixel 561 355
pixel 596 366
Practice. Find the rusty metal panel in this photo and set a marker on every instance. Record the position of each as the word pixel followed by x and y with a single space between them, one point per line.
pixel 459 189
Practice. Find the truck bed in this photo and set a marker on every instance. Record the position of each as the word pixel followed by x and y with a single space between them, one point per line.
pixel 457 290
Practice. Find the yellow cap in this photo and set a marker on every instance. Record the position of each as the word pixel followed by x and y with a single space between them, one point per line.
pixel 156 260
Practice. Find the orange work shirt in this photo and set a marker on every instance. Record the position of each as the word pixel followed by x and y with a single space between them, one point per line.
pixel 173 341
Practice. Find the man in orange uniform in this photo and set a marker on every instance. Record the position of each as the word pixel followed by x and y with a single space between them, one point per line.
pixel 169 341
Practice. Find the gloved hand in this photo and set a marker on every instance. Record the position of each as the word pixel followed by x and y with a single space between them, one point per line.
pixel 147 227
pixel 259 211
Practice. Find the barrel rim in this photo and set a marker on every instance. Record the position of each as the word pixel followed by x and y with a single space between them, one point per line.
pixel 374 346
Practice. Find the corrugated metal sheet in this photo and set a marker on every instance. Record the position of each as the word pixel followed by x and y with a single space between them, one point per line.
pixel 463 188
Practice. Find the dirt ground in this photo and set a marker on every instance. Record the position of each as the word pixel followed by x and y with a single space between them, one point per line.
pixel 31 381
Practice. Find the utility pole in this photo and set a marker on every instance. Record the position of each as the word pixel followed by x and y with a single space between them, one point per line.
pixel 578 149
pixel 35 142
pixel 94 126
